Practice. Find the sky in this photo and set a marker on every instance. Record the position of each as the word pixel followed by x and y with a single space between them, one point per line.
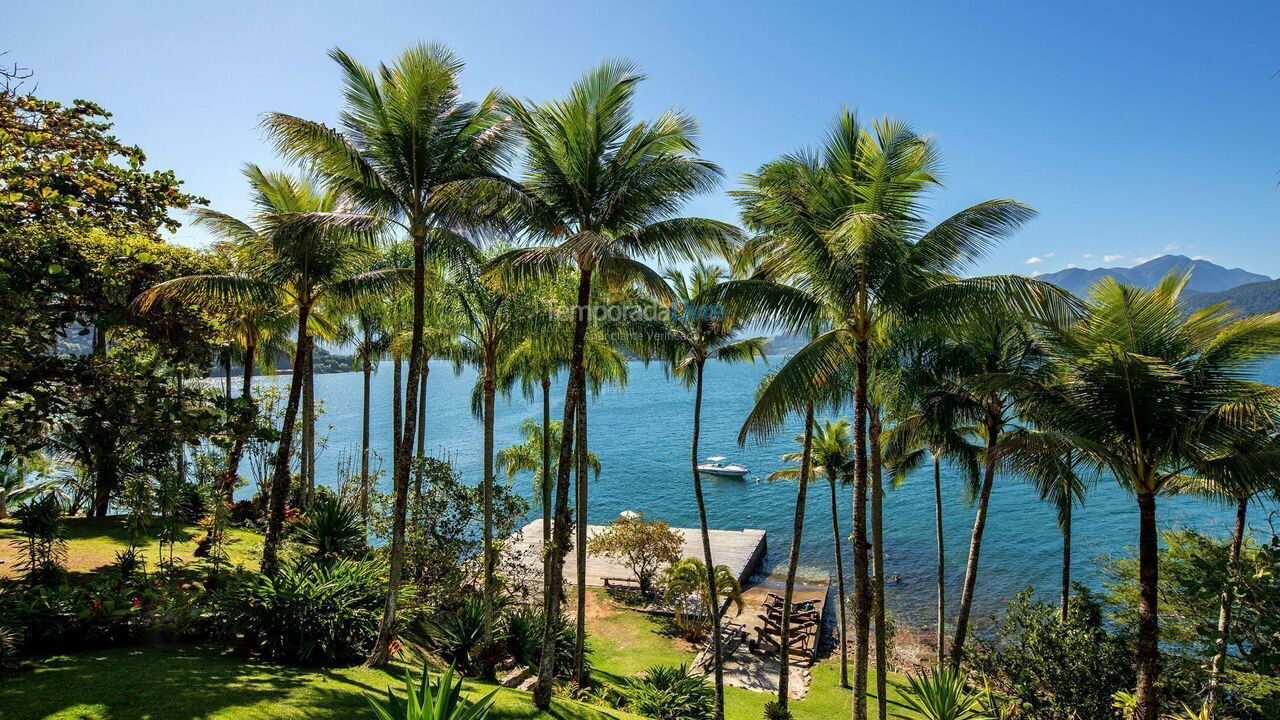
pixel 1134 128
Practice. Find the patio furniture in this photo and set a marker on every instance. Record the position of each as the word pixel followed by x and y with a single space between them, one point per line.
pixel 732 635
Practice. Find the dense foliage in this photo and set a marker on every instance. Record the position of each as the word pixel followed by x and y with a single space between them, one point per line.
pixel 1194 571
pixel 670 693
pixel 1053 669
pixel 524 628
pixel 314 613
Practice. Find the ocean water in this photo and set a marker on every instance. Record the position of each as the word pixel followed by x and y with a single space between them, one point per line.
pixel 641 432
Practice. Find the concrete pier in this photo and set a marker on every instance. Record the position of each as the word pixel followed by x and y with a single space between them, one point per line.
pixel 741 550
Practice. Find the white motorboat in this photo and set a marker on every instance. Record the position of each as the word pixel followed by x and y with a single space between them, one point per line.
pixel 716 466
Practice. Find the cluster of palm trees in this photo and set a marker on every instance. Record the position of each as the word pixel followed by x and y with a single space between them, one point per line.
pixel 990 374
pixel 423 226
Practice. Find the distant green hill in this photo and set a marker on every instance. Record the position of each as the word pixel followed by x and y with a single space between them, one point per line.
pixel 1252 299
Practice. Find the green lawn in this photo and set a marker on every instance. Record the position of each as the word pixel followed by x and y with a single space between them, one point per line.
pixel 94 542
pixel 184 681
pixel 624 642
pixel 196 682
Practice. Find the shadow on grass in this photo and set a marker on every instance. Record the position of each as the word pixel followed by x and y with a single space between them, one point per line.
pixel 183 681
pixel 170 682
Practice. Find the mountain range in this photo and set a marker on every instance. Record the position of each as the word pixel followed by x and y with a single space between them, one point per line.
pixel 1210 283
pixel 1206 277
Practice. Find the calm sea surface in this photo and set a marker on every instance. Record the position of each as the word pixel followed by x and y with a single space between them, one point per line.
pixel 642 434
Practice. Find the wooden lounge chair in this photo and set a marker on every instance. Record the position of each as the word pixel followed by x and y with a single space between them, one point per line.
pixel 802 642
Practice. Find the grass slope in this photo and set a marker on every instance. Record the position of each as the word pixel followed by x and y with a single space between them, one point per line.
pixel 94 542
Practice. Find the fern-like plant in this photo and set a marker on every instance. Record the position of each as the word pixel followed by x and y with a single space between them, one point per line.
pixel 423 701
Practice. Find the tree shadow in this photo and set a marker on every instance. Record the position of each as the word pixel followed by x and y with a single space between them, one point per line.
pixel 186 681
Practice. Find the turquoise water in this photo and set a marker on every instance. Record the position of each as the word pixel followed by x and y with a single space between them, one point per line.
pixel 642 433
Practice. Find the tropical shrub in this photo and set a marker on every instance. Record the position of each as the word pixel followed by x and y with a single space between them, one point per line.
pixel 424 701
pixel 940 694
pixel 642 547
pixel 43 539
pixel 313 613
pixel 457 634
pixel 687 590
pixel 774 710
pixel 525 624
pixel 8 648
pixel 667 692
pixel 332 528
pixel 1052 669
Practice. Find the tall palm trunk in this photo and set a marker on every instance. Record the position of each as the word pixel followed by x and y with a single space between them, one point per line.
pixel 877 554
pixel 861 580
pixel 1147 659
pixel 381 652
pixel 942 560
pixel 490 382
pixel 717 656
pixel 546 460
pixel 397 404
pixel 1228 596
pixel 367 371
pixel 975 545
pixel 311 419
pixel 553 559
pixel 793 562
pixel 422 428
pixel 284 450
pixel 236 454
pixel 1066 557
pixel 304 438
pixel 580 541
pixel 835 538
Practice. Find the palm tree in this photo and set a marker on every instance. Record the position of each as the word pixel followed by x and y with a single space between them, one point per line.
pixel 991 342
pixel 408 149
pixel 1151 393
pixel 252 330
pixel 832 458
pixel 312 249
pixel 605 189
pixel 1061 475
pixel 926 428
pixel 495 319
pixel 370 341
pixel 527 456
pixel 688 579
pixel 1238 474
pixel 842 238
pixel 698 331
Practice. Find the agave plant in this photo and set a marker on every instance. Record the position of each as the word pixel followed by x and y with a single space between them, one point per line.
pixel 940 694
pixel 333 528
pixel 424 701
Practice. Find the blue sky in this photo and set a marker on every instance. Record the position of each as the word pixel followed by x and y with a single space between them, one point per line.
pixel 1134 128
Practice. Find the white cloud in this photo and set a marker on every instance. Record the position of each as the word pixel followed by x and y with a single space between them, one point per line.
pixel 1071 265
pixel 1086 256
pixel 1171 247
pixel 1140 260
pixel 1036 273
pixel 1113 258
pixel 1049 255
pixel 1032 260
pixel 1202 257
